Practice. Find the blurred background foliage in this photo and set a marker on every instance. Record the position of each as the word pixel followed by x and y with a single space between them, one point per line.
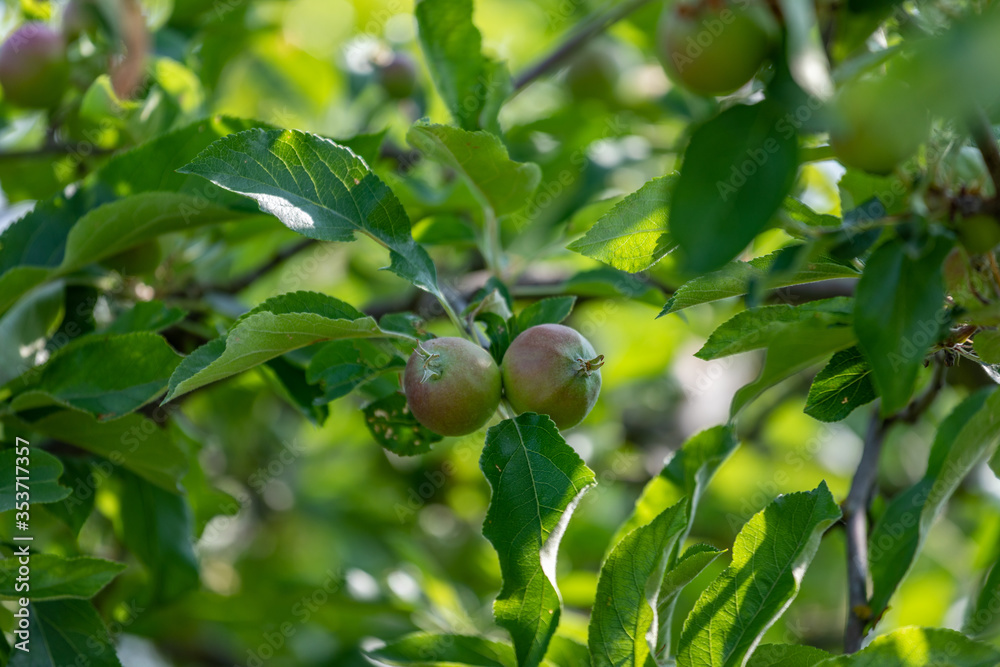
pixel 316 526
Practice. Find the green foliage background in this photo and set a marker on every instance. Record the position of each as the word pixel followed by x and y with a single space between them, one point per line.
pixel 297 539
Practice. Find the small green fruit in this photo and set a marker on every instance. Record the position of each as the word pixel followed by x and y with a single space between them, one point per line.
pixel 710 48
pixel 34 71
pixel 594 72
pixel 452 386
pixel 979 234
pixel 878 124
pixel 398 77
pixel 552 370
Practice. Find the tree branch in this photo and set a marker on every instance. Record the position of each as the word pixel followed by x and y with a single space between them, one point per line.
pixel 856 521
pixel 858 501
pixel 982 135
pixel 241 283
pixel 591 27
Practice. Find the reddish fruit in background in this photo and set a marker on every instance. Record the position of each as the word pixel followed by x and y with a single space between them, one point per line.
pixel 552 370
pixel 452 386
pixel 710 48
pixel 398 77
pixel 878 124
pixel 34 71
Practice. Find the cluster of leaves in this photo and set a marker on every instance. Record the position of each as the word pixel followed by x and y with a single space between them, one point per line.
pixel 103 393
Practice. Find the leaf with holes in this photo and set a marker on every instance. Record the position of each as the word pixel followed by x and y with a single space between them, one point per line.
pixel 394 427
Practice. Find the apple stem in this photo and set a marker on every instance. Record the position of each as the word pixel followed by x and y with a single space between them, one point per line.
pixel 588 367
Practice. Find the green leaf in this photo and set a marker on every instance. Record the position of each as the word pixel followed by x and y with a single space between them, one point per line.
pixel 32 247
pixel 426 650
pixel 633 236
pixel 547 311
pixel 45 471
pixel 75 509
pixel 687 473
pixel 158 527
pixel 289 381
pixel 770 557
pixel 318 189
pixel 537 481
pixel 106 375
pixel 981 618
pixel 342 366
pixel 898 315
pixel 471 85
pixel 54 577
pixel 566 652
pixel 623 625
pixel 66 632
pixel 690 564
pixel 770 326
pixel 786 655
pixel 481 159
pixel 987 346
pixel 735 278
pixel 736 172
pixel 967 436
pixel 844 385
pixel 800 212
pixel 146 316
pixel 608 282
pixel 805 348
pixel 31 320
pixel 394 427
pixel 133 442
pixel 277 326
pixel 920 647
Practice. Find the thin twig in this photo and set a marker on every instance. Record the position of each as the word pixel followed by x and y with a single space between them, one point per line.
pixel 856 521
pixel 982 135
pixel 82 149
pixel 238 285
pixel 590 29
pixel 857 504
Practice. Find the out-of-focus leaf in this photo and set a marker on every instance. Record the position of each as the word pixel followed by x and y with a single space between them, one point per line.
pixel 634 235
pixel 987 346
pixel 394 427
pixel 471 85
pixel 981 619
pixel 537 481
pixel 786 655
pixel 623 628
pixel 54 577
pixel 770 557
pixel 318 189
pixel 765 326
pixel 737 170
pixel 547 311
pixel 106 375
pixel 44 471
pixel 342 366
pixel 482 160
pixel 158 528
pixel 844 385
pixel 31 320
pixel 734 279
pixel 920 647
pixel 424 650
pixel 967 436
pixel 289 380
pixel 64 632
pixel 133 442
pixel 279 325
pixel 146 316
pixel 898 316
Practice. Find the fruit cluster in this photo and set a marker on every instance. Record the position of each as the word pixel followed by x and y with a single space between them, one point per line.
pixel 453 386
